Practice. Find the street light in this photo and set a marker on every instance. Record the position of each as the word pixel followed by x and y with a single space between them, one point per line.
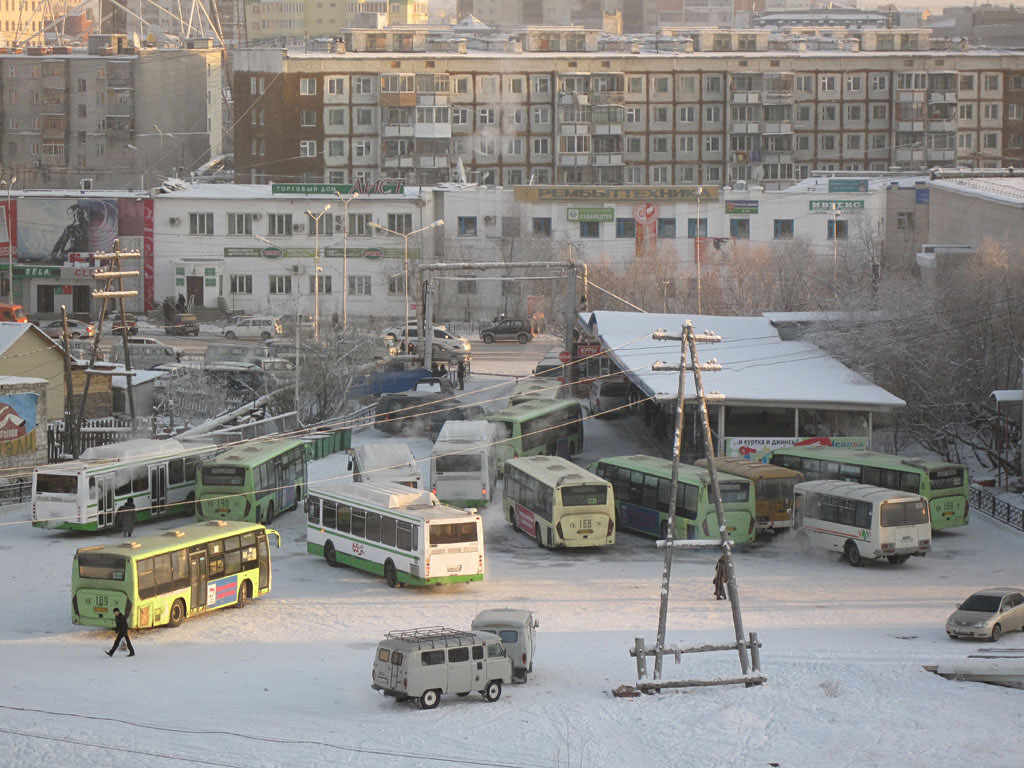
pixel 316 270
pixel 700 192
pixel 344 274
pixel 835 251
pixel 8 185
pixel 298 351
pixel 407 235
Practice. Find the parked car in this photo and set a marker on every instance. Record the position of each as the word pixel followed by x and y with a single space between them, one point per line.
pixel 507 329
pixel 254 328
pixel 130 324
pixel 439 384
pixel 987 614
pixel 608 395
pixel 442 338
pixel 76 329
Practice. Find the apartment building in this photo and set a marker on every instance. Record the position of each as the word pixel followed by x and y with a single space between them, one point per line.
pixel 117 117
pixel 576 114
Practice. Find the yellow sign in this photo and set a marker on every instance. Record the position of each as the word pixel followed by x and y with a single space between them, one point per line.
pixel 625 194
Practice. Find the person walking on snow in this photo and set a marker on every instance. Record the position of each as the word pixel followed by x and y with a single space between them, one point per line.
pixel 121 626
pixel 720 578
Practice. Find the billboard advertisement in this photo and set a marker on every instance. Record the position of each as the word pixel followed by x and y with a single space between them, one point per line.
pixel 51 229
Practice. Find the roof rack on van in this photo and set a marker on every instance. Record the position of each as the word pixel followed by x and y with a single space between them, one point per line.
pixel 432 636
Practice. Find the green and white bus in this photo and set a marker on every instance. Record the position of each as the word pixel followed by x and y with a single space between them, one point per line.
pixel 539 427
pixel 165 577
pixel 253 482
pixel 558 503
pixel 943 485
pixel 642 486
pixel 88 495
pixel 403 534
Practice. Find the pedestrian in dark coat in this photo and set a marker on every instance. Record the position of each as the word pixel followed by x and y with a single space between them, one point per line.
pixel 720 578
pixel 121 627
pixel 127 513
pixel 460 372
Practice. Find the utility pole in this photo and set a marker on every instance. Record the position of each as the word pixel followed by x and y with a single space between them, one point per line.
pixel 70 437
pixel 570 323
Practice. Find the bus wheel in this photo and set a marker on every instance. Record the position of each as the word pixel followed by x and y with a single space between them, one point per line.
pixel 390 574
pixel 430 698
pixel 244 593
pixel 177 614
pixel 853 555
pixel 897 559
pixel 493 691
pixel 538 535
pixel 329 554
pixel 512 518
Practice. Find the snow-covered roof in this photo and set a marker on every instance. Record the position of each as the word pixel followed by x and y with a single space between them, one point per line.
pixel 11 332
pixel 384 453
pixel 140 377
pixel 1008 189
pixel 261 192
pixel 758 368
pixel 15 380
pixel 1006 395
pixel 818 184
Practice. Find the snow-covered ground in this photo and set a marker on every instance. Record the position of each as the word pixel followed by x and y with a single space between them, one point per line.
pixel 286 681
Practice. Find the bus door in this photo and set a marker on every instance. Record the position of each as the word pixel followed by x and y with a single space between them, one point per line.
pixel 105 501
pixel 158 490
pixel 263 554
pixel 198 570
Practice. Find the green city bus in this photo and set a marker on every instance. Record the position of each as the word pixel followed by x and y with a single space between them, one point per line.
pixel 536 427
pixel 943 484
pixel 164 578
pixel 642 486
pixel 253 482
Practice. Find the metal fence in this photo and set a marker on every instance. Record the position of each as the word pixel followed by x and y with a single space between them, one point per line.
pixel 1001 509
pixel 95 432
pixel 16 492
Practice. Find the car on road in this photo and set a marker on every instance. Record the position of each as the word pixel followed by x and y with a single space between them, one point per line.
pixel 988 614
pixel 447 341
pixel 507 329
pixel 264 328
pixel 608 395
pixel 130 323
pixel 76 329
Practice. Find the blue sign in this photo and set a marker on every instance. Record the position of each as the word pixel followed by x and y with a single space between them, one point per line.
pixel 923 196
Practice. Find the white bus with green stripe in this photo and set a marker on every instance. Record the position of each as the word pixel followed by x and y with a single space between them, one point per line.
pixel 89 495
pixel 403 534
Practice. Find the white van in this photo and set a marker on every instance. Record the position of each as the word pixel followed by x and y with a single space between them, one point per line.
pixel 422 664
pixel 385 461
pixel 264 328
pixel 517 629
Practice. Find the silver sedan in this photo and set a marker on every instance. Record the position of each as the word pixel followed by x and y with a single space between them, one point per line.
pixel 988 614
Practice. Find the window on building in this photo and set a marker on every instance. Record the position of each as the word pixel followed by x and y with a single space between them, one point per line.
pixel 200 223
pixel 904 220
pixel 590 229
pixel 239 223
pixel 240 284
pixel 325 284
pixel 692 229
pixel 336 86
pixel 625 228
pixel 666 228
pixel 360 285
pixel 307 148
pixel 307 86
pixel 400 222
pixel 542 225
pixel 307 118
pixel 280 284
pixel 542 145
pixel 739 229
pixel 279 224
pixel 396 284
pixel 467 226
pixel 783 229
pixel 660 174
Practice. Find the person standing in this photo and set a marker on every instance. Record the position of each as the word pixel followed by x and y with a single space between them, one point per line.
pixel 127 513
pixel 460 372
pixel 121 627
pixel 720 579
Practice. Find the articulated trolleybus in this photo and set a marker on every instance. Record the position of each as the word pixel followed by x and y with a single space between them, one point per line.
pixel 861 521
pixel 86 495
pixel 558 503
pixel 403 534
pixel 166 577
pixel 943 485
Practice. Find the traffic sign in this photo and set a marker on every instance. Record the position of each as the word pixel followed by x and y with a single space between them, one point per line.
pixel 564 356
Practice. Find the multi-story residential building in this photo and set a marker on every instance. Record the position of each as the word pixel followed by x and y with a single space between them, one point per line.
pixel 590 116
pixel 119 117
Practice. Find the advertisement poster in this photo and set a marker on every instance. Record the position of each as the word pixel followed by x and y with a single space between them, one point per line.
pixel 18 424
pixel 50 229
pixel 760 448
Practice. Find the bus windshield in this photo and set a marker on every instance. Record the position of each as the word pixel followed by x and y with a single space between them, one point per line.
pixel 221 475
pixel 459 462
pixel 904 513
pixel 97 565
pixel 452 533
pixel 734 492
pixel 584 495
pixel 56 484
pixel 946 478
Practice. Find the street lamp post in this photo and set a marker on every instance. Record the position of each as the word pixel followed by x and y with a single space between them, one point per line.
pixel 835 251
pixel 8 185
pixel 344 267
pixel 700 193
pixel 316 270
pixel 407 235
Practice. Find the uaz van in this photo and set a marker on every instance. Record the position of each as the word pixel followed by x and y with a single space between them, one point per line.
pixel 517 629
pixel 422 664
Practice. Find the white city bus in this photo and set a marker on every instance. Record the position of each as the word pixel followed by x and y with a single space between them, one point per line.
pixel 558 503
pixel 463 465
pixel 160 478
pixel 385 461
pixel 403 534
pixel 861 521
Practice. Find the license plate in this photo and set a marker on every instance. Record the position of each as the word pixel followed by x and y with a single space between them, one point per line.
pixel 586 530
pixel 454 568
pixel 222 510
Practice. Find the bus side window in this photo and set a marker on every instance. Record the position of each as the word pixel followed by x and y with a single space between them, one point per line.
pixel 344 518
pixel 388 531
pixel 871 476
pixel 313 510
pixel 179 569
pixel 140 482
pixel 863 514
pixel 358 523
pixel 689 500
pixel 176 471
pixel 373 526
pixel 191 465
pixel 909 481
pixel 406 536
pixel 124 483
pixel 330 515
pixel 890 478
pixel 92 488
